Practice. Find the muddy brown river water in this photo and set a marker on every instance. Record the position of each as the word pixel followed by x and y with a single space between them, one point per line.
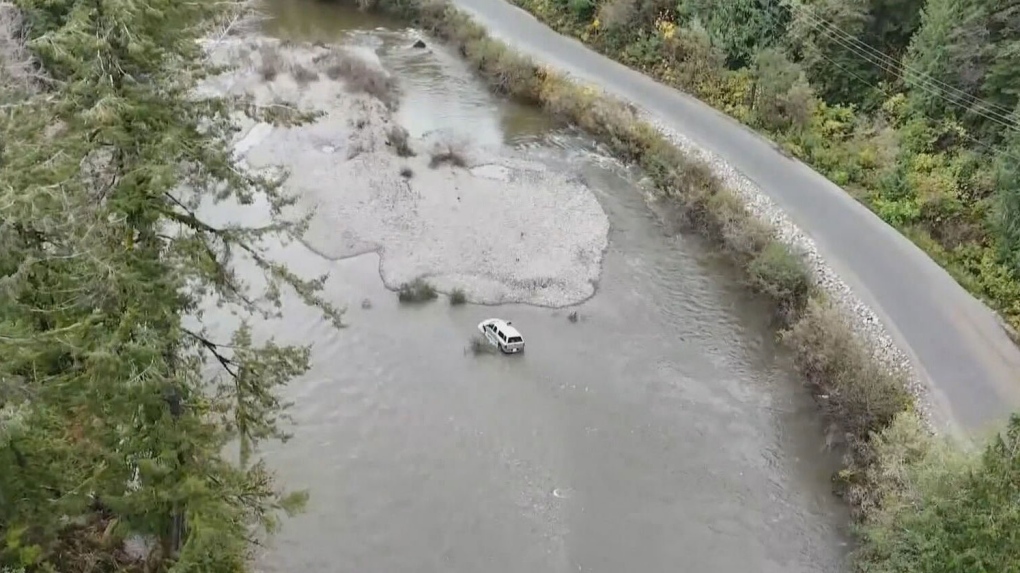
pixel 663 431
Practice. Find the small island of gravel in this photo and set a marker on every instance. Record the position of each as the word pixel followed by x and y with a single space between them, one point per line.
pixel 485 221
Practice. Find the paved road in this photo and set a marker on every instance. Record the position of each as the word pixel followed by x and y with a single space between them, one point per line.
pixel 954 340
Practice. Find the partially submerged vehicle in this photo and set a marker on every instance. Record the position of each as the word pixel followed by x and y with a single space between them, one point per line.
pixel 502 335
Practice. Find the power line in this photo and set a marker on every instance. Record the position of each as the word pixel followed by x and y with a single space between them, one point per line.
pixel 875 56
pixel 993 150
pixel 924 82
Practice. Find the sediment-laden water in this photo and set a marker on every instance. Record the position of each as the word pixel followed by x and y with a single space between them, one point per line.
pixel 660 431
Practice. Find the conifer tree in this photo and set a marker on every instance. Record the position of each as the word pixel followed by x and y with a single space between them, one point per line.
pixel 108 427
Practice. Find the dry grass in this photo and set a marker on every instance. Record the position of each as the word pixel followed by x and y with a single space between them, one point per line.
pixel 398 138
pixel 862 395
pixel 447 154
pixel 271 62
pixel 303 75
pixel 903 455
pixel 360 76
pixel 617 13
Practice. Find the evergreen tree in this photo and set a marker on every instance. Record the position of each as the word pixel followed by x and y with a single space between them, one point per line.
pixel 108 427
pixel 742 27
pixel 965 62
pixel 1007 215
pixel 829 59
pixel 835 41
pixel 947 519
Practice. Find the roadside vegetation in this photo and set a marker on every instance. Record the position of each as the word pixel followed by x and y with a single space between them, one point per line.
pixel 111 428
pixel 922 503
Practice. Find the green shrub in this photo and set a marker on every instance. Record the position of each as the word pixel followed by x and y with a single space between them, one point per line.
pixel 418 290
pixel 581 9
pixel 303 75
pixel 782 275
pixel 457 297
pixel 937 509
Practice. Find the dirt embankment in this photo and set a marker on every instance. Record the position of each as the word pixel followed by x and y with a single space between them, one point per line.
pixel 498 227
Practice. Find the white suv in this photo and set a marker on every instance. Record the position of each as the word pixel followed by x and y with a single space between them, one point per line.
pixel 501 334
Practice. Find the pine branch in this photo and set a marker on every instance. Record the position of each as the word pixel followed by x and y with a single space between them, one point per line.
pixel 213 348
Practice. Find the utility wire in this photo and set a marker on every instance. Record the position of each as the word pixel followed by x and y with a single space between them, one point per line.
pixel 892 61
pixel 932 86
pixel 886 91
pixel 888 64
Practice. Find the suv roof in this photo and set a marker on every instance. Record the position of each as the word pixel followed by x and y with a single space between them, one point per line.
pixel 505 326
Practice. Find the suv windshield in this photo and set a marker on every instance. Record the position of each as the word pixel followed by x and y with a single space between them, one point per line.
pixel 514 339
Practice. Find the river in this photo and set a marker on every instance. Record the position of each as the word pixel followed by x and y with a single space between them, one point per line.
pixel 661 431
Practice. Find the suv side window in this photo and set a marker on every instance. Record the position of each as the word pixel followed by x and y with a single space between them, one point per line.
pixel 501 336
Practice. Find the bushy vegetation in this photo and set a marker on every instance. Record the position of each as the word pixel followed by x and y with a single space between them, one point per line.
pixel 910 105
pixel 360 77
pixel 303 75
pixel 859 392
pixel 458 297
pixel 418 290
pixel 936 509
pixel 398 138
pixel 110 425
pixel 447 154
pixel 898 478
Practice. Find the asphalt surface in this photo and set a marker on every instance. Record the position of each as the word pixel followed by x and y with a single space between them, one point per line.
pixel 956 343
